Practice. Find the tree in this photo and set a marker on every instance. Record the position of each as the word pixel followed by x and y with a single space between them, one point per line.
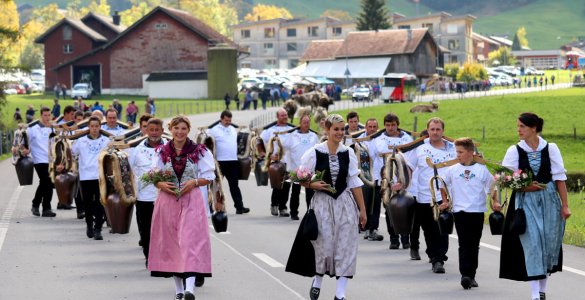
pixel 9 47
pixel 100 7
pixel 516 44
pixel 374 15
pixel 472 72
pixel 267 12
pixel 452 70
pixel 521 33
pixel 219 16
pixel 502 56
pixel 338 14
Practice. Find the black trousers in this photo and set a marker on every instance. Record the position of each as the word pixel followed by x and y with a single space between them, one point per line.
pixel 78 199
pixel 94 211
pixel 469 228
pixel 231 170
pixel 144 211
pixel 403 237
pixel 295 197
pixel 437 244
pixel 280 197
pixel 44 193
pixel 373 202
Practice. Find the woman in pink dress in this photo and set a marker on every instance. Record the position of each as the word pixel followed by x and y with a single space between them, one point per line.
pixel 179 245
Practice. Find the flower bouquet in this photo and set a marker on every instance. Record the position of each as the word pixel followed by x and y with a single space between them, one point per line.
pixel 515 180
pixel 304 175
pixel 155 176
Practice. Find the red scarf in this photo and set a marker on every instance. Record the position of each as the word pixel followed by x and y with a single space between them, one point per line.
pixel 191 151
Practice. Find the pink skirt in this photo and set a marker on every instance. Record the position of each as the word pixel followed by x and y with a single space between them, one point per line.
pixel 179 237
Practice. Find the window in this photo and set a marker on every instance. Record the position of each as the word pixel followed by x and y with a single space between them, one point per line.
pixel 336 31
pixel 67 48
pixel 453 44
pixel 403 26
pixel 291 32
pixel 269 33
pixel 429 26
pixel 245 33
pixel 291 47
pixel 293 63
pixel 160 26
pixel 247 65
pixel 270 63
pixel 313 31
pixel 268 48
pixel 453 59
pixel 67 32
pixel 452 29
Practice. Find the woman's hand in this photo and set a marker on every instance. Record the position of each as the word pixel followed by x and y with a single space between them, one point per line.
pixel 565 212
pixel 444 205
pixel 396 187
pixel 188 186
pixel 319 185
pixel 496 206
pixel 534 187
pixel 363 219
pixel 167 187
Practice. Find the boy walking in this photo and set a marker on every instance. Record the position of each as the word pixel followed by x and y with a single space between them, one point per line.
pixel 469 184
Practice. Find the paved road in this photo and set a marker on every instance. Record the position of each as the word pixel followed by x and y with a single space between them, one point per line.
pixel 50 258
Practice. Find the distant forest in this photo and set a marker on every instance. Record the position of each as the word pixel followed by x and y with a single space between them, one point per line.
pixel 476 7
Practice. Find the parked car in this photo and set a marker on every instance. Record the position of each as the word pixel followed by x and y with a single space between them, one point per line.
pixel 9 91
pixel 248 83
pixel 83 90
pixel 362 94
pixel 533 71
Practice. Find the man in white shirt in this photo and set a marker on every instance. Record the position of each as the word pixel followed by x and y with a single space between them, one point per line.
pixel 372 198
pixel 296 144
pixel 438 150
pixel 226 154
pixel 140 163
pixel 68 114
pixel 39 149
pixel 353 126
pixel 279 198
pixel 392 137
pixel 112 125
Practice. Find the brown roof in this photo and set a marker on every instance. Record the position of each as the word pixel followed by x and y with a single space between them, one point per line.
pixel 94 35
pixel 382 42
pixel 106 21
pixel 322 50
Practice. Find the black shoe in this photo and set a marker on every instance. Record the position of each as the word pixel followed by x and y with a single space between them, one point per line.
pixel 35 211
pixel 284 213
pixel 274 210
pixel 465 282
pixel 474 283
pixel 405 242
pixel 374 236
pixel 48 213
pixel 64 206
pixel 394 244
pixel 335 298
pixel 244 210
pixel 414 254
pixel 89 233
pixel 97 235
pixel 542 296
pixel 179 296
pixel 189 296
pixel 438 267
pixel 199 281
pixel 81 215
pixel 294 217
pixel 314 293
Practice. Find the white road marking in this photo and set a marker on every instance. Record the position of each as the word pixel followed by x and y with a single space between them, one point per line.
pixel 7 215
pixel 268 260
pixel 495 248
pixel 259 268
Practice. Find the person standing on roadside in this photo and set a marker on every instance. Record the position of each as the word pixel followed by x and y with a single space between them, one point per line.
pixel 56 110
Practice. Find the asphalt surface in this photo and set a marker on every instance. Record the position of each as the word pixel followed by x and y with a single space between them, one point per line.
pixel 51 258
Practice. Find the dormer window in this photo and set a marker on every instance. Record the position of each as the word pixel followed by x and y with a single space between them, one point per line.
pixel 67 48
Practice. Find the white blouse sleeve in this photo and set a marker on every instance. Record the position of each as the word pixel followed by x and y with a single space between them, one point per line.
pixel 353 179
pixel 309 159
pixel 511 158
pixel 206 166
pixel 557 167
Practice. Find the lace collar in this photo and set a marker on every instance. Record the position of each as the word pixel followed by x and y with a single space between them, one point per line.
pixel 541 144
pixel 322 147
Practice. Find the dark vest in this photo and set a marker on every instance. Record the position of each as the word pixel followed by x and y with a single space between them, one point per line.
pixel 544 174
pixel 323 165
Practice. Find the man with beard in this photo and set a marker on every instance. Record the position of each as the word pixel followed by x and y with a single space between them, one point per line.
pixel 140 163
pixel 279 198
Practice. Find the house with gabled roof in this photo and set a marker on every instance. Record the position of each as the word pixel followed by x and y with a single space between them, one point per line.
pixel 117 60
pixel 372 54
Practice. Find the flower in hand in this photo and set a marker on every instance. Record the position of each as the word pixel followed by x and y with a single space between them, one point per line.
pixel 156 176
